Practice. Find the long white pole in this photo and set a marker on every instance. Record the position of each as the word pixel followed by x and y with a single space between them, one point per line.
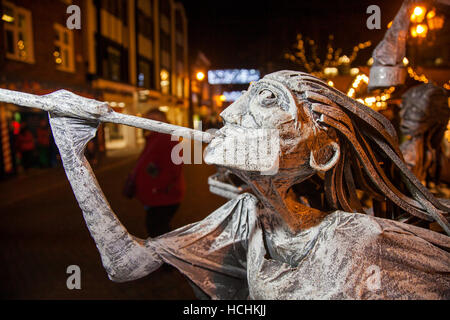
pixel 50 104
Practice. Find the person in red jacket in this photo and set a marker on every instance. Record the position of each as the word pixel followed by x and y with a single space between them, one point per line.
pixel 159 183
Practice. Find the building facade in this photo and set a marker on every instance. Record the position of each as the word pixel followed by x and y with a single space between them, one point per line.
pixel 138 60
pixel 131 53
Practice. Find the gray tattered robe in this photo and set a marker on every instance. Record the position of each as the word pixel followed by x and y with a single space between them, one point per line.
pixel 235 253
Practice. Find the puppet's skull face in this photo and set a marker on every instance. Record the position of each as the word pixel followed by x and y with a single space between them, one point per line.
pixel 262 131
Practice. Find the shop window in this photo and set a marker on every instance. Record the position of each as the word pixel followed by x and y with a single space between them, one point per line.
pixel 18 32
pixel 64 49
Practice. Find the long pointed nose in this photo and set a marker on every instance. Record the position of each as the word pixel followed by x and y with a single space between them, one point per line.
pixel 235 113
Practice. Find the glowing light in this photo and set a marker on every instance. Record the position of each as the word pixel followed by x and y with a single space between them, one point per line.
pixel 405 61
pixel 435 22
pixel 419 11
pixel 415 76
pixel 164 109
pixel 200 76
pixel 164 74
pixel 370 62
pixel 330 72
pixel 7 18
pixel 431 14
pixel 389 25
pixel 233 76
pixel 421 29
pixel 418 14
pixel 121 105
pixel 232 95
pixel 351 92
pixel 58 60
pixel 344 60
pixel 447 86
pixel 370 100
pixel 223 98
pixel 330 83
pixel 376 102
pixel 354 71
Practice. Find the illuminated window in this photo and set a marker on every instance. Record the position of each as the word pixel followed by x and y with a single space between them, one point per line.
pixel 18 33
pixel 64 49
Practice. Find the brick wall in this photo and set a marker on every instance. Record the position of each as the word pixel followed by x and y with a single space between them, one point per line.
pixel 44 14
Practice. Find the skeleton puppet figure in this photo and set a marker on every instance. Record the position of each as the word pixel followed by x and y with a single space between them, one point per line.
pixel 270 245
pixel 424 117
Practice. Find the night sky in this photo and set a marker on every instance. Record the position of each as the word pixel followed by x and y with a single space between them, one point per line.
pixel 257 33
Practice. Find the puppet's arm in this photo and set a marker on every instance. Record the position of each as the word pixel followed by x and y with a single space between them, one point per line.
pixel 124 257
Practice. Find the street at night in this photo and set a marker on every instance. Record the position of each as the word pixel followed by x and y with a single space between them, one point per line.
pixel 43 233
pixel 269 150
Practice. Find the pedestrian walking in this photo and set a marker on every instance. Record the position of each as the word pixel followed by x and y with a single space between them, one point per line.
pixel 157 182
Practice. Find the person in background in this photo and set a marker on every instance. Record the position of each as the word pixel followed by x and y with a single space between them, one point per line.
pixel 43 143
pixel 26 146
pixel 159 183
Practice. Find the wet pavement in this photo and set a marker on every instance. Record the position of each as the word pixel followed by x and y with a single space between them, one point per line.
pixel 42 232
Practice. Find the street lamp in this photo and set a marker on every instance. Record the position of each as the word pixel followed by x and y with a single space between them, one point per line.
pixel 200 76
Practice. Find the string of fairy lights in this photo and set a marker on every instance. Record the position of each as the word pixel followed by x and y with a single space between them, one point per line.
pixel 313 64
pixel 379 102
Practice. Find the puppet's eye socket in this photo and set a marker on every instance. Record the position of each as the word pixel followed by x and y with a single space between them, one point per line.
pixel 267 98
